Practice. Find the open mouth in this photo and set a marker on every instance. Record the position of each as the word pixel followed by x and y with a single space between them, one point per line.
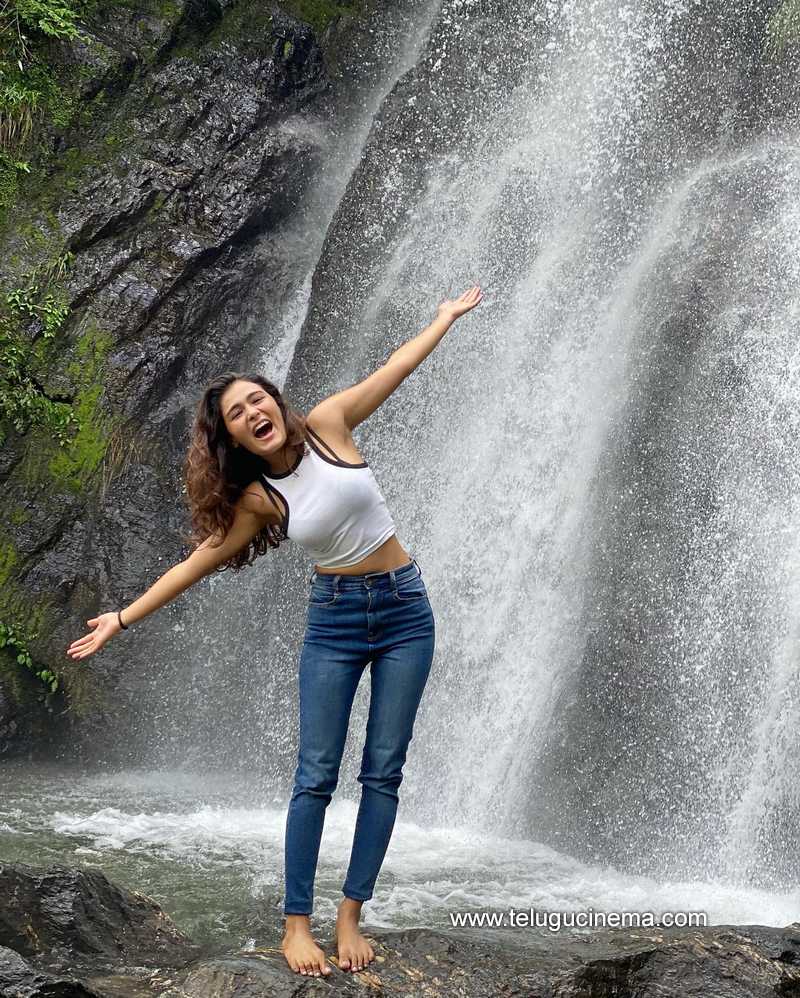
pixel 262 429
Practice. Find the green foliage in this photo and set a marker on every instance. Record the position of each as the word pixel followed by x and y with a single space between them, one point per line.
pixel 783 28
pixel 50 17
pixel 30 92
pixel 16 640
pixel 29 322
pixel 34 303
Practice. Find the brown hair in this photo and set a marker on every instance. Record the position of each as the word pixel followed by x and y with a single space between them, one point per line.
pixel 217 473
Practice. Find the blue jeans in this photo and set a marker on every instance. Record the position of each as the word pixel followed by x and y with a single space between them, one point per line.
pixel 382 618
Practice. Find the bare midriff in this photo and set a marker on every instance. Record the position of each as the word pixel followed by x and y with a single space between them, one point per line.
pixel 391 554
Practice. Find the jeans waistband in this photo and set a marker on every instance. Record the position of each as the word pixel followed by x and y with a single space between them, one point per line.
pixel 371 580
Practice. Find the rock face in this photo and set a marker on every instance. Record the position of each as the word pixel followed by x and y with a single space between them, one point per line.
pixel 117 944
pixel 187 198
pixel 61 915
pixel 20 980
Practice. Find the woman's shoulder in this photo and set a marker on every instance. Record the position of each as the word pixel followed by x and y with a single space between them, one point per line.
pixel 328 430
pixel 254 499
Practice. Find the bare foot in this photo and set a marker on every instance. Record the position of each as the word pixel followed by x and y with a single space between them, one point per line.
pixel 298 946
pixel 353 949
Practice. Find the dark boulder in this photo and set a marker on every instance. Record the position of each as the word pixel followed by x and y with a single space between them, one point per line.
pixel 18 979
pixel 62 917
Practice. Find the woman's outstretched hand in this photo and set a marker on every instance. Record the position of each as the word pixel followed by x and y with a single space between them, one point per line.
pixel 104 628
pixel 458 306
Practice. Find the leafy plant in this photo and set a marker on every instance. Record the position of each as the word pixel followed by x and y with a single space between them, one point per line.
pixel 30 92
pixel 39 306
pixel 16 640
pixel 33 303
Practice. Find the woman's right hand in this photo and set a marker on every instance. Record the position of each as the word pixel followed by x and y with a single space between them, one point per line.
pixel 457 307
pixel 104 628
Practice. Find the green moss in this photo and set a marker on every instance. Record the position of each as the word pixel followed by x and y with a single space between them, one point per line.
pixel 18 515
pixel 15 605
pixel 17 684
pixel 245 26
pixel 783 28
pixel 45 187
pixel 11 602
pixel 73 466
pixel 319 13
pixel 8 561
pixel 37 181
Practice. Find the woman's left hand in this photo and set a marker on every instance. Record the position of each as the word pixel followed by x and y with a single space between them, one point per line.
pixel 458 306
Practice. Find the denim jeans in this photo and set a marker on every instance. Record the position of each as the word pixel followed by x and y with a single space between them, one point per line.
pixel 382 618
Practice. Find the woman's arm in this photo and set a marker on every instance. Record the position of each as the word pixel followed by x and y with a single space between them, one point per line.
pixel 249 519
pixel 348 408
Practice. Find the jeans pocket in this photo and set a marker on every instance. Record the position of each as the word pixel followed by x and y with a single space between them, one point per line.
pixel 322 597
pixel 410 589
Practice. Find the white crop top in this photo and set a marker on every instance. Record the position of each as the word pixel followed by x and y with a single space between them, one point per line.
pixel 332 508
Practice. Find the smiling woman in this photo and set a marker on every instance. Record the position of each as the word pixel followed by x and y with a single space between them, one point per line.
pixel 258 472
pixel 226 458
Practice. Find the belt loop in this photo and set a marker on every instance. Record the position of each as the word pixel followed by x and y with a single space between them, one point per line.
pixel 419 570
pixel 336 583
pixel 313 577
pixel 393 580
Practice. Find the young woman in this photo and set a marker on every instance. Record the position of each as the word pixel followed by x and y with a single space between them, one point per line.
pixel 258 472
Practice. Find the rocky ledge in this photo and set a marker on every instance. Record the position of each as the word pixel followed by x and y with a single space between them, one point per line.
pixel 71 933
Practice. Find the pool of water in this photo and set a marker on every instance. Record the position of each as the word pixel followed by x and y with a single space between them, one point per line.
pixel 211 854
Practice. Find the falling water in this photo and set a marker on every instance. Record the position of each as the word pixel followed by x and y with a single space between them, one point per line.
pixel 597 471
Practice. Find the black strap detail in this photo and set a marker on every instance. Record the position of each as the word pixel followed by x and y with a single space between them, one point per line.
pixel 319 440
pixel 283 510
pixel 331 460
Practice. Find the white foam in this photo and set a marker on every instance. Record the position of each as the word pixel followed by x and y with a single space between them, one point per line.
pixel 427 873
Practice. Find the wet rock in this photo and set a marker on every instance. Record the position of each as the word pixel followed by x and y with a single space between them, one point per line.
pixel 18 979
pixel 62 917
pixel 119 944
pixel 181 201
pixel 724 961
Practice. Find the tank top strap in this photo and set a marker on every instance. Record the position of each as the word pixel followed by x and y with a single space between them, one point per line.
pixel 278 500
pixel 334 457
pixel 322 443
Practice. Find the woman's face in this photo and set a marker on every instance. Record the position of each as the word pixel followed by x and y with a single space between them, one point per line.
pixel 253 418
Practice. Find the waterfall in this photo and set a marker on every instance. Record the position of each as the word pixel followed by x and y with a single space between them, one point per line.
pixel 596 469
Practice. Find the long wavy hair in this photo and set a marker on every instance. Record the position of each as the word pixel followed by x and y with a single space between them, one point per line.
pixel 216 473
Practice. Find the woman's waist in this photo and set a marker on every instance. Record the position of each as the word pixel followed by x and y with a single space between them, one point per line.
pixel 365 580
pixel 387 556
